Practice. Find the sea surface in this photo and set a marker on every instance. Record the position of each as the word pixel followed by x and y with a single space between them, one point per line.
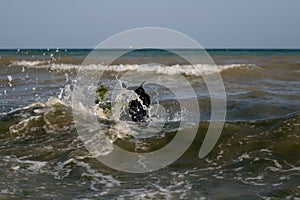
pixel 256 157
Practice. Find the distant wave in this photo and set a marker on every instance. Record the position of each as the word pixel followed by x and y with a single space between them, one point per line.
pixel 190 70
pixel 26 63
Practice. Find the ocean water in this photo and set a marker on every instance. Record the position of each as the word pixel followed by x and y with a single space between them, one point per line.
pixel 256 157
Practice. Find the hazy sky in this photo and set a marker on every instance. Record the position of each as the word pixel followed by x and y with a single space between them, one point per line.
pixel 213 23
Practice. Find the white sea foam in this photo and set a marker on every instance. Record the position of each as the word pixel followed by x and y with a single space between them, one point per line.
pixel 9 78
pixel 190 70
pixel 34 165
pixel 26 63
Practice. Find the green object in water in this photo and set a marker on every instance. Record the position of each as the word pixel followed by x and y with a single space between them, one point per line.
pixel 101 91
pixel 103 103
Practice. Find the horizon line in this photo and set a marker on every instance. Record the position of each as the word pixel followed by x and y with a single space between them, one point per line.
pixel 211 48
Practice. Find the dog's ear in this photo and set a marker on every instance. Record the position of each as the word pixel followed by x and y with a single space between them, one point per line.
pixel 142 84
pixel 140 90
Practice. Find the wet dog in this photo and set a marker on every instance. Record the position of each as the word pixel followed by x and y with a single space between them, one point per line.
pixel 136 108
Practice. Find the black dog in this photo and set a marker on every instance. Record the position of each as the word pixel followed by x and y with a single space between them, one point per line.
pixel 135 107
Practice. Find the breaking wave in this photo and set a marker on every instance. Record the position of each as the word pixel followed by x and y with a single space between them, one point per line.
pixel 189 70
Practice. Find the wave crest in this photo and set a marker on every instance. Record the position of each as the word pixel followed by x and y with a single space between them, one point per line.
pixel 189 70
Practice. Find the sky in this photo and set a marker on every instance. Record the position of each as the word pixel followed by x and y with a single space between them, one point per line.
pixel 212 23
